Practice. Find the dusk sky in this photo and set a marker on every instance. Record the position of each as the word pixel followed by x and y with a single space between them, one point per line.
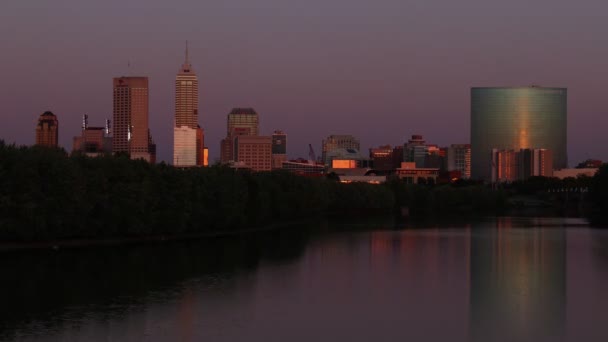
pixel 380 70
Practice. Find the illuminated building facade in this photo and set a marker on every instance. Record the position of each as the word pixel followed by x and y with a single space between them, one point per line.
pixel 517 118
pixel 411 174
pixel 47 130
pixel 188 137
pixel 131 133
pixel 505 165
pixel 202 158
pixel 185 152
pixel 334 142
pixel 512 165
pixel 348 155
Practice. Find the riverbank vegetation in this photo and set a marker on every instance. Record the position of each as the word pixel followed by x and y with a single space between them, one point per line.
pixel 46 194
pixel 599 197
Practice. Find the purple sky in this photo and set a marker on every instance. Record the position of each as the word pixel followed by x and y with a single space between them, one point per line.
pixel 380 70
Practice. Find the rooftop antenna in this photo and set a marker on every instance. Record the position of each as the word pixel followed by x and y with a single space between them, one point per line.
pixel 186 66
pixel 187 55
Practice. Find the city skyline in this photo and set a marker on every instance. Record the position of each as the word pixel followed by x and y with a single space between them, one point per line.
pixel 381 78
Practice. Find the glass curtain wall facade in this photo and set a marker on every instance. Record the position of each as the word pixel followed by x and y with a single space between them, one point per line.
pixel 514 118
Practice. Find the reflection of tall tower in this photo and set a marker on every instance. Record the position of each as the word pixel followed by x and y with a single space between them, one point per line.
pixel 187 135
pixel 47 130
pixel 518 283
pixel 131 132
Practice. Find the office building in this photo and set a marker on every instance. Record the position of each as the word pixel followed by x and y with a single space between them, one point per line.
pixel 93 141
pixel 279 149
pixel 435 157
pixel 187 134
pixel 47 130
pixel 254 152
pixel 345 157
pixel 334 142
pixel 535 162
pixel 186 95
pixel 185 147
pixel 240 121
pixel 514 165
pixel 131 132
pixel 505 166
pixel 459 159
pixel 517 118
pixel 411 174
pixel 382 158
pixel 415 151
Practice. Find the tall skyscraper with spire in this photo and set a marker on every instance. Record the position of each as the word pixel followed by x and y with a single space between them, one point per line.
pixel 188 142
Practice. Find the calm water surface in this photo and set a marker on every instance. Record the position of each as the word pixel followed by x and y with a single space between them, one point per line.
pixel 506 279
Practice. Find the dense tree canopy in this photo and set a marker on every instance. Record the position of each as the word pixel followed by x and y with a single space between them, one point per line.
pixel 46 194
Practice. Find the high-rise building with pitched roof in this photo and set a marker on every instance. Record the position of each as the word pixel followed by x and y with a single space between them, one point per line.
pixel 47 130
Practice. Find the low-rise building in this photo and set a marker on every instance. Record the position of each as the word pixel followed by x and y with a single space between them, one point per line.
pixel 414 175
pixel 566 173
pixel 304 167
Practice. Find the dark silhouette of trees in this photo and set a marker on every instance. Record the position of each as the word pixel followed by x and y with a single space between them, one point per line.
pixel 46 194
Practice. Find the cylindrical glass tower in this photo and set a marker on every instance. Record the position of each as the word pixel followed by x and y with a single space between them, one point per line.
pixel 516 118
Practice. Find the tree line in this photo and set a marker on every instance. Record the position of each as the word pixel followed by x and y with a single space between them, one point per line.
pixel 46 194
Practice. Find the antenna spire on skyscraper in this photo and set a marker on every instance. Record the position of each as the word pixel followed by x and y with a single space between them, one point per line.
pixel 186 67
pixel 187 56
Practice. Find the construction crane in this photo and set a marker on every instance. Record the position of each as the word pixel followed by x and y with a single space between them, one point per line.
pixel 312 157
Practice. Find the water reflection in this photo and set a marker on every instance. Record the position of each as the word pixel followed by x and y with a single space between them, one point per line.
pixel 495 280
pixel 518 283
pixel 46 291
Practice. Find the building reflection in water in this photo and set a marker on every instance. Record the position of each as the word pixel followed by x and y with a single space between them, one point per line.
pixel 518 282
pixel 423 273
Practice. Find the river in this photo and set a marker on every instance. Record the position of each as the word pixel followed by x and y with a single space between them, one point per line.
pixel 495 279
